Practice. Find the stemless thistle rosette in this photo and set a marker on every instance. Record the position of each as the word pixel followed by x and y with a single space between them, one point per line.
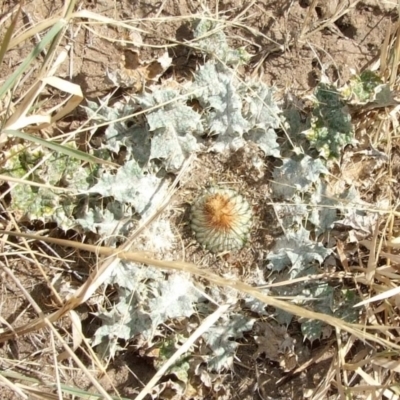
pixel 221 219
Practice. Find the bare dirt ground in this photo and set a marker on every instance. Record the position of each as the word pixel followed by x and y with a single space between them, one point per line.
pixel 270 30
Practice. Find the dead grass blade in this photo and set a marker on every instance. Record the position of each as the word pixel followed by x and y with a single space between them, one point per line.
pixel 396 58
pixel 354 329
pixel 67 11
pixel 205 325
pixel 56 372
pixel 31 382
pixel 7 383
pixel 76 96
pixel 39 27
pixel 91 16
pixel 372 259
pixel 77 335
pixel 7 178
pixel 48 323
pixel 7 37
pixel 382 296
pixel 20 119
pixel 376 386
pixel 12 80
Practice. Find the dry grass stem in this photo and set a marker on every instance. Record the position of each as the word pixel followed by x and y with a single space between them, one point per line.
pixel 55 59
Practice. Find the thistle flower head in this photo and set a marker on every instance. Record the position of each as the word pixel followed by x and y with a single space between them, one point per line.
pixel 221 219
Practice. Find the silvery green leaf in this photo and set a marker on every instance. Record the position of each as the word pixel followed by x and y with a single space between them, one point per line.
pixel 103 113
pixel 157 97
pixel 317 295
pixel 225 294
pixel 323 214
pixel 261 109
pixel 265 139
pixel 255 305
pixel 127 133
pixel 112 222
pixel 343 305
pixel 173 139
pixel 322 298
pixel 212 40
pixel 114 325
pixel 124 320
pixel 140 322
pixel 368 88
pixel 130 185
pixel 225 117
pixel 296 176
pixel 262 113
pixel 217 93
pixel 311 329
pixel 354 212
pixel 158 238
pixel 296 251
pixel 291 214
pixel 172 148
pixel 173 298
pixel 55 169
pixel 145 300
pixel 331 128
pixel 219 339
pixel 283 317
pixel 384 96
pixel 292 122
pixel 178 116
pixel 136 139
pixel 174 125
pixel 134 277
pixel 127 275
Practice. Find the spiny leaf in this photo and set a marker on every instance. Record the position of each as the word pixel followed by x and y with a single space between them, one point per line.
pixel 297 251
pixel 368 88
pixel 40 202
pixel 133 277
pixel 174 127
pixel 324 213
pixel 292 214
pixel 130 185
pixel 127 133
pixel 331 127
pixel 124 321
pixel 219 339
pixel 296 176
pixel 212 40
pixel 145 300
pixel 217 93
pixel 262 113
pixel 112 222
pixel 174 298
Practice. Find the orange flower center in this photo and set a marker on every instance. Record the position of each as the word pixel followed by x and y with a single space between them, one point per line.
pixel 219 212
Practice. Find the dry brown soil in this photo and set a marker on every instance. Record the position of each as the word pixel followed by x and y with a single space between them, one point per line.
pixel 291 52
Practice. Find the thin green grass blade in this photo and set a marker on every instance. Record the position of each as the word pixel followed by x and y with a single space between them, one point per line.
pixel 69 8
pixel 8 35
pixel 8 84
pixel 80 155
